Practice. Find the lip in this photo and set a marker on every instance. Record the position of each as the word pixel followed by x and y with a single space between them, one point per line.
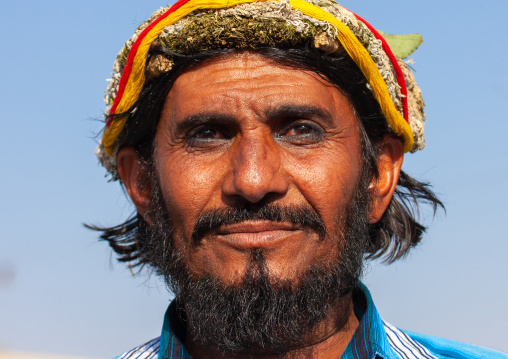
pixel 256 234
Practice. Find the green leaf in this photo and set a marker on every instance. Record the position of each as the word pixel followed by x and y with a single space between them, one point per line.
pixel 403 45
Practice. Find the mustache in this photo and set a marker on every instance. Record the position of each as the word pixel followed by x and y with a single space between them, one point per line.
pixel 302 215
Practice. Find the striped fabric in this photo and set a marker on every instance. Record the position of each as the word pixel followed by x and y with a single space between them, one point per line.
pixel 373 339
pixel 404 346
pixel 148 350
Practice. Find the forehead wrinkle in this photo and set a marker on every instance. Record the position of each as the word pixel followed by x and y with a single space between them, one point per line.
pixel 246 65
pixel 228 84
pixel 246 69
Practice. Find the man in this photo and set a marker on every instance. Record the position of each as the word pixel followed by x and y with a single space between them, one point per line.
pixel 262 144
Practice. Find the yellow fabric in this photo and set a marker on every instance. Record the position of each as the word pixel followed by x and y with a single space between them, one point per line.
pixel 137 75
pixel 346 37
pixel 362 58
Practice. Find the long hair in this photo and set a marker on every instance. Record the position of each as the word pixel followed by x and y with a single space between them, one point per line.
pixel 391 237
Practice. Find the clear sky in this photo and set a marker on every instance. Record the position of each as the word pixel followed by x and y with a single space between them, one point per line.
pixel 61 290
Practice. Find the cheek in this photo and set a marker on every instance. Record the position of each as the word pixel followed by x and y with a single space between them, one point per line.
pixel 328 181
pixel 187 189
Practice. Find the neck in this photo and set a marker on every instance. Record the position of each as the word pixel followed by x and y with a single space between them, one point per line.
pixel 328 339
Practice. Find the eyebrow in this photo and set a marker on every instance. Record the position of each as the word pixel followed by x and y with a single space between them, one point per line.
pixel 282 112
pixel 295 111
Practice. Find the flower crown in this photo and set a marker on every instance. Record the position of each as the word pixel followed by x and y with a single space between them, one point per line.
pixel 190 26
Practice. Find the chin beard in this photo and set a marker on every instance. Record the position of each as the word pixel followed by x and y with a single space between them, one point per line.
pixel 261 313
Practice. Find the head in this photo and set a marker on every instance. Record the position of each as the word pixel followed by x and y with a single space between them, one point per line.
pixel 263 172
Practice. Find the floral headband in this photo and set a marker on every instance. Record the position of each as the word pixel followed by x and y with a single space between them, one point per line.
pixel 190 26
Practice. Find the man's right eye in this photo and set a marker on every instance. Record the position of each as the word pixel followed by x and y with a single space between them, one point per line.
pixel 205 136
pixel 207 133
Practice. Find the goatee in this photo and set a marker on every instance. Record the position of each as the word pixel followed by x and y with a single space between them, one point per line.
pixel 261 313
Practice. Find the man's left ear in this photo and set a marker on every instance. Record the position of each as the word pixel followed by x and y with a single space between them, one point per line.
pixel 389 164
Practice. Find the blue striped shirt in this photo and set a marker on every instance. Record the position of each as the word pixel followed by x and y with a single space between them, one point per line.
pixel 373 339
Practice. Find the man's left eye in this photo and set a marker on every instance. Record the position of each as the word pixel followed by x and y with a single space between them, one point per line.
pixel 302 133
pixel 299 130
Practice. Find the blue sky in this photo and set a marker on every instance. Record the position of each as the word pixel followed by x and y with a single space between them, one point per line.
pixel 68 295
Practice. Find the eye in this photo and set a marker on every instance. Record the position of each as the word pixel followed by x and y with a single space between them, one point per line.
pixel 302 133
pixel 206 136
pixel 207 133
pixel 299 130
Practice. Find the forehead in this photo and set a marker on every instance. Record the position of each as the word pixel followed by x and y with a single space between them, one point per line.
pixel 250 82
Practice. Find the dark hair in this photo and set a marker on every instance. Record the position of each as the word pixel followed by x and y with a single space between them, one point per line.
pixel 392 236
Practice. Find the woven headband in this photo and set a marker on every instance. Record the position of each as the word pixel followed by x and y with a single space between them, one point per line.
pixel 329 24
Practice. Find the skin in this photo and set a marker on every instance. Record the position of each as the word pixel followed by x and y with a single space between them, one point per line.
pixel 243 129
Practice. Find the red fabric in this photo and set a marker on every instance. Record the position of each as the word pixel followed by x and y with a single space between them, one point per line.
pixel 398 71
pixel 132 54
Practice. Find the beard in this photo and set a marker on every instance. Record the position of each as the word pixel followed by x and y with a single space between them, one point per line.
pixel 261 313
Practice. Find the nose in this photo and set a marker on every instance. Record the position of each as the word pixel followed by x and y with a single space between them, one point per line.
pixel 255 172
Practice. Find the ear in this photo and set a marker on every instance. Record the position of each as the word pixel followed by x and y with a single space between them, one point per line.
pixel 134 175
pixel 389 165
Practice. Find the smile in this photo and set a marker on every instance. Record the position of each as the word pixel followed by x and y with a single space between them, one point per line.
pixel 256 234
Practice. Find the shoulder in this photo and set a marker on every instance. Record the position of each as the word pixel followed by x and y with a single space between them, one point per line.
pixel 413 345
pixel 451 349
pixel 149 350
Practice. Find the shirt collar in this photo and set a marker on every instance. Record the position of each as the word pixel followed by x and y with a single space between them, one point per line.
pixel 369 340
pixel 171 347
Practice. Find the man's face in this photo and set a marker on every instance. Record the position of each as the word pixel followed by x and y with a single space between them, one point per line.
pixel 244 132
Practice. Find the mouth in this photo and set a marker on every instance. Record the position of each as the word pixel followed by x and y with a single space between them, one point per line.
pixel 256 234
